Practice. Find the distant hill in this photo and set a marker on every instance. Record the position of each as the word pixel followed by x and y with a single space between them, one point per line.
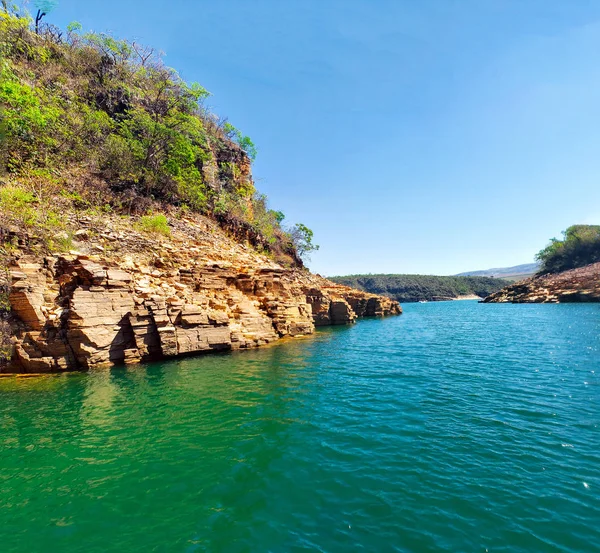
pixel 410 288
pixel 518 272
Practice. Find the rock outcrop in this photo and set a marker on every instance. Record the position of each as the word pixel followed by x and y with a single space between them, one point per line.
pixel 124 297
pixel 576 285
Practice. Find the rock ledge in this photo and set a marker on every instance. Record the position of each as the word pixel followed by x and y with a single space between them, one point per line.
pixel 123 297
pixel 576 285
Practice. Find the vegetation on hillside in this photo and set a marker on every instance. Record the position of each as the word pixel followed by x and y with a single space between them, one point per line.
pixel 579 246
pixel 410 288
pixel 91 122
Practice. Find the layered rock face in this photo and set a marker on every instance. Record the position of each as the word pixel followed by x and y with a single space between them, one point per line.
pixel 123 297
pixel 576 285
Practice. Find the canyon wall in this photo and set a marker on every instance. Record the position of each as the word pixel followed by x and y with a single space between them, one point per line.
pixel 121 296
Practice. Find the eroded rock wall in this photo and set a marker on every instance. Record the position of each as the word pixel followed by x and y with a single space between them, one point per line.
pixel 88 308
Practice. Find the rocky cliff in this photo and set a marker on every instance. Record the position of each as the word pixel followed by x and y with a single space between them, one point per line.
pixel 130 224
pixel 576 285
pixel 123 296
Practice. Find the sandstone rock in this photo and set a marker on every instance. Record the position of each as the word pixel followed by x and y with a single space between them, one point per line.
pixel 118 279
pixel 74 312
pixel 340 312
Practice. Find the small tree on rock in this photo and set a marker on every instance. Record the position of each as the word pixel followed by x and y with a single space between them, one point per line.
pixel 302 239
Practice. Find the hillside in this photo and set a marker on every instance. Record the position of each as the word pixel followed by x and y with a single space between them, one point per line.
pixel 569 271
pixel 410 288
pixel 518 272
pixel 130 226
pixel 575 285
pixel 98 124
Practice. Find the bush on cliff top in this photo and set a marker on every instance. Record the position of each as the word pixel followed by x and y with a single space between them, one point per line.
pixel 111 123
pixel 580 246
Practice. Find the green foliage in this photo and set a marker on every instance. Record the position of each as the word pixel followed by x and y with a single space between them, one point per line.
pixel 61 242
pixel 4 302
pixel 410 288
pixel 18 206
pixel 265 220
pixel 92 108
pixel 243 141
pixel 580 246
pixel 154 224
pixel 302 239
pixel 74 27
pixel 197 92
pixel 99 100
pixel 118 50
pixel 23 209
pixel 28 119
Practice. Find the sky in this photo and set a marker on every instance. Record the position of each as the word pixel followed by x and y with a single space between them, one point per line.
pixel 430 136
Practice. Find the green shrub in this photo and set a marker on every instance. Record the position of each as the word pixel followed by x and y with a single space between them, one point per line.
pixel 61 242
pixel 28 118
pixel 18 206
pixel 580 246
pixel 154 224
pixel 243 141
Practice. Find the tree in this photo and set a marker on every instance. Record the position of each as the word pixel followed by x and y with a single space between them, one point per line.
pixel 302 239
pixel 44 8
pixel 243 141
pixel 580 246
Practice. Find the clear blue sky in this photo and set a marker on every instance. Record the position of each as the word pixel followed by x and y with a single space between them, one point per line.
pixel 433 136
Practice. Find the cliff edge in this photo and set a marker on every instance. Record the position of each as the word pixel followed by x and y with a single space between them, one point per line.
pixel 124 296
pixel 130 225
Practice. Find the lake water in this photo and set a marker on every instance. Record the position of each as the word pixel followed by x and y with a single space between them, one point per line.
pixel 456 427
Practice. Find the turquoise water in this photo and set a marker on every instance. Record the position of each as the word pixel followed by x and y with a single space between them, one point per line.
pixel 457 427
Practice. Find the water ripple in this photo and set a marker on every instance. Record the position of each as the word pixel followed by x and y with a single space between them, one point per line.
pixel 457 427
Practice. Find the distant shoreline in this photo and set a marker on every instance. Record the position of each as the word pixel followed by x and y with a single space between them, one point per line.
pixel 414 288
pixel 458 298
